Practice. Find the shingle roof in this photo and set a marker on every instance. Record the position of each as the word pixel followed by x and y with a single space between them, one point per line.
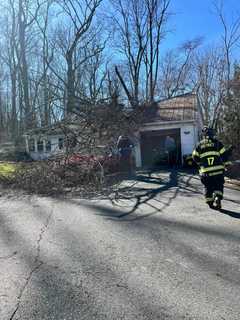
pixel 179 108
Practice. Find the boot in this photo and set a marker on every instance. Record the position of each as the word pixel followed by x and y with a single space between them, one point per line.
pixel 210 204
pixel 218 204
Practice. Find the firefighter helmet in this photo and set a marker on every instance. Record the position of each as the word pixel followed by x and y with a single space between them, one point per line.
pixel 207 131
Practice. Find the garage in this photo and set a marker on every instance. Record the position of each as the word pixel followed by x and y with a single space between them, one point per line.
pixel 176 119
pixel 155 150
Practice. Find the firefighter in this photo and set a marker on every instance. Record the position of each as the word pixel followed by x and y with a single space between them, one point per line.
pixel 211 158
pixel 125 149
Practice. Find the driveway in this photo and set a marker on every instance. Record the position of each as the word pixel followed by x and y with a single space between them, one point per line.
pixel 153 250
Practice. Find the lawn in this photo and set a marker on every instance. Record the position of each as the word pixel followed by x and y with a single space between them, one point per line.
pixel 7 169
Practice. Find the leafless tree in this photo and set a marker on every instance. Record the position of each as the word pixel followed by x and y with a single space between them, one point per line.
pixel 210 68
pixel 230 37
pixel 176 70
pixel 46 54
pixel 130 19
pixel 140 30
pixel 157 13
pixel 27 15
pixel 79 16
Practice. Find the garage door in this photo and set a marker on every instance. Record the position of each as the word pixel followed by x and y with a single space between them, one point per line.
pixel 153 147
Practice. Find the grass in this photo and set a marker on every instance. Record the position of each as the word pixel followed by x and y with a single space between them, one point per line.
pixel 7 169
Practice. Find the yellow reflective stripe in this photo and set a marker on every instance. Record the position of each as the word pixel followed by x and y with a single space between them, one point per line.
pixel 215 173
pixel 203 170
pixel 209 199
pixel 195 153
pixel 218 193
pixel 227 163
pixel 209 153
pixel 222 150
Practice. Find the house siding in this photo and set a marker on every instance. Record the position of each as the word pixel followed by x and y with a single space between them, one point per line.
pixel 36 155
pixel 188 139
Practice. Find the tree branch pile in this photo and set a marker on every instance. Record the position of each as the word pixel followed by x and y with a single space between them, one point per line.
pixel 56 177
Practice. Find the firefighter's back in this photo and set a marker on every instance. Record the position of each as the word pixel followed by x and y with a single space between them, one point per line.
pixel 209 152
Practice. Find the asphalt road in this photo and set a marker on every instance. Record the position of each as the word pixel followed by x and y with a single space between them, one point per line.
pixel 153 251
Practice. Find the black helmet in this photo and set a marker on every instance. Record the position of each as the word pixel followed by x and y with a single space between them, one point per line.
pixel 206 131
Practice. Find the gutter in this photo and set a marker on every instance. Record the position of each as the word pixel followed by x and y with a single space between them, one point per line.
pixel 169 122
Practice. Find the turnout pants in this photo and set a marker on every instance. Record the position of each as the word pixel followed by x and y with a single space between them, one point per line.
pixel 213 185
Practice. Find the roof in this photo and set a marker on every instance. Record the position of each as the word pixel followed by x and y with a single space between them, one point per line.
pixel 179 108
pixel 61 127
pixel 91 121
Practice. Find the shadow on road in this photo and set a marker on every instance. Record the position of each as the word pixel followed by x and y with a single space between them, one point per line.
pixel 148 189
pixel 57 283
pixel 140 196
pixel 144 198
pixel 230 213
pixel 68 289
pixel 148 179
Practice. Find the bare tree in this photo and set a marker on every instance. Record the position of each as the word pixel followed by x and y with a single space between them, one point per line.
pixel 210 68
pixel 46 58
pixel 140 27
pixel 80 15
pixel 230 120
pixel 230 37
pixel 176 70
pixel 130 19
pixel 27 15
pixel 9 57
pixel 157 18
pixel 41 78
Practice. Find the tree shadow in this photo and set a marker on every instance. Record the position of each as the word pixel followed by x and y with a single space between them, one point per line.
pixel 152 193
pixel 148 179
pixel 138 196
pixel 71 290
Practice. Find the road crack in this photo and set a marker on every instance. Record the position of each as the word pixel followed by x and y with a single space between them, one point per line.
pixel 37 263
pixel 9 256
pixel 23 289
pixel 42 231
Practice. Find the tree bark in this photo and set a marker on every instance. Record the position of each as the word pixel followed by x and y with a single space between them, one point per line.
pixel 24 66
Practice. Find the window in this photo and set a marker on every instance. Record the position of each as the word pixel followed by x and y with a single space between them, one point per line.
pixel 48 145
pixel 60 143
pixel 40 146
pixel 31 145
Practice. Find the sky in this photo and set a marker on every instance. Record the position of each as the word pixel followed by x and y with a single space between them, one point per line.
pixel 193 18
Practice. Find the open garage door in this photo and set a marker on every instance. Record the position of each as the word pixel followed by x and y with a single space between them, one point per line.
pixel 154 148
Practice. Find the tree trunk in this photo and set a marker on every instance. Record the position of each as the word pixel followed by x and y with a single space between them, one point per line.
pixel 14 126
pixel 70 82
pixel 24 67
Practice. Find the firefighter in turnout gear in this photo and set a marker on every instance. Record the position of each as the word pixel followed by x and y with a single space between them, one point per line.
pixel 211 158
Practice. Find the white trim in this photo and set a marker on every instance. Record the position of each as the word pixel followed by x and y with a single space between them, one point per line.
pixel 165 123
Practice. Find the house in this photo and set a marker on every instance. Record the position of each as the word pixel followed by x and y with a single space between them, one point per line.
pixel 64 137
pixel 178 118
pixel 42 143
